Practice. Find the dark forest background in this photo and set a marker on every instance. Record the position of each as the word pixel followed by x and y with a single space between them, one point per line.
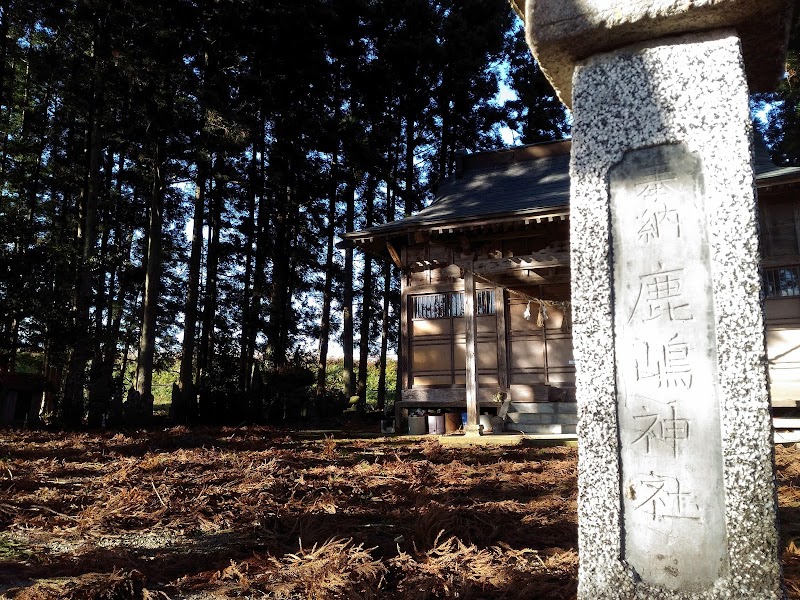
pixel 174 176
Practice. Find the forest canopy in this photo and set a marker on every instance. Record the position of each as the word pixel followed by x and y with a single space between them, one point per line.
pixel 175 176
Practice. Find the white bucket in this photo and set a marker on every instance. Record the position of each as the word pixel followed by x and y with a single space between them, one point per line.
pixel 416 425
pixel 486 423
pixel 436 424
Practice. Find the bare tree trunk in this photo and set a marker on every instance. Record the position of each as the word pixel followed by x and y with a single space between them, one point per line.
pixel 123 242
pixel 366 304
pixel 250 244
pixel 4 26
pixel 280 299
pixel 387 284
pixel 409 199
pixel 408 207
pixel 207 340
pixel 327 293
pixel 260 282
pixel 347 295
pixel 186 407
pixel 99 388
pixel 147 339
pixel 73 406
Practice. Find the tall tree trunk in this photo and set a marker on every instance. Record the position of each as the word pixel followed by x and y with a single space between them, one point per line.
pixel 185 407
pixel 280 297
pixel 99 390
pixel 366 304
pixel 327 293
pixel 4 26
pixel 409 207
pixel 123 242
pixel 207 340
pixel 347 294
pixel 444 104
pixel 249 231
pixel 147 339
pixel 260 278
pixel 87 232
pixel 387 284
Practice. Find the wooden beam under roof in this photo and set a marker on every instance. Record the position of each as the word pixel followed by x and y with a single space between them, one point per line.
pixel 551 216
pixel 540 267
pixel 395 255
pixel 528 262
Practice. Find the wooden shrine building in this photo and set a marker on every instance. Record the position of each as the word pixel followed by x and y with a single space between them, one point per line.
pixel 485 286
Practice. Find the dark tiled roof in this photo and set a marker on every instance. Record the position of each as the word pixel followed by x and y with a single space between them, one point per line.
pixel 512 187
pixel 501 189
pixel 766 170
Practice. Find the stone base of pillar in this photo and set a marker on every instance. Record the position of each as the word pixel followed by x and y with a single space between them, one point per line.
pixel 472 430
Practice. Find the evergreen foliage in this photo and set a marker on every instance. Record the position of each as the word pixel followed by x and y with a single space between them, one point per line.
pixel 174 176
pixel 780 125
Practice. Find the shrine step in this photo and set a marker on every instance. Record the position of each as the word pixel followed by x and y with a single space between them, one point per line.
pixel 541 418
pixel 543 407
pixel 541 428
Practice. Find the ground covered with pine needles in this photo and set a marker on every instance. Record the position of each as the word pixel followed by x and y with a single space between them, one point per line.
pixel 267 513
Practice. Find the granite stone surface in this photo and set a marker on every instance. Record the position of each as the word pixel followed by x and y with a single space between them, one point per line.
pixel 564 32
pixel 668 403
pixel 683 98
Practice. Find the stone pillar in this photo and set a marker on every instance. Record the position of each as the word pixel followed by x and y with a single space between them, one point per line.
pixel 676 477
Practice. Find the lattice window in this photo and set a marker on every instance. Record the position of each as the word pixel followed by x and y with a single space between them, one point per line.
pixel 432 306
pixel 484 302
pixel 443 306
pixel 782 282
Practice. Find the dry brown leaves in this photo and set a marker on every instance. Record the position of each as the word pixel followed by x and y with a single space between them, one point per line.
pixel 261 512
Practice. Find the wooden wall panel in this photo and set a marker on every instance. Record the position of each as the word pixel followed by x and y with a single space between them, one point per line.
pixel 487 356
pixel 783 355
pixel 488 379
pixel 555 317
pixel 487 324
pixel 431 357
pixel 425 327
pixel 779 231
pixel 459 354
pixel 428 380
pixel 516 319
pixel 782 309
pixel 526 353
pixel 559 350
pixel 561 378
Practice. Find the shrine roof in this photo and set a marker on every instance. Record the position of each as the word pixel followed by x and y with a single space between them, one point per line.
pixel 515 183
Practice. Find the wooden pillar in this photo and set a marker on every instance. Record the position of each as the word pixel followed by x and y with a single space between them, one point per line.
pixel 471 326
pixel 502 342
pixel 404 347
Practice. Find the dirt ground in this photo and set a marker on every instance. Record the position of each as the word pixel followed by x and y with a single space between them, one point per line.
pixel 261 512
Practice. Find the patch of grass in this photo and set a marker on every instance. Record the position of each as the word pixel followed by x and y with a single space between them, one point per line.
pixel 11 549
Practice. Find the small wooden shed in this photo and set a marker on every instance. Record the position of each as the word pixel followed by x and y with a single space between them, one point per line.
pixel 485 287
pixel 20 398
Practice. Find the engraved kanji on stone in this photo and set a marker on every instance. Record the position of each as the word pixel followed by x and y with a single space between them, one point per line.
pixel 659 429
pixel 661 296
pixel 666 365
pixel 662 497
pixel 657 220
